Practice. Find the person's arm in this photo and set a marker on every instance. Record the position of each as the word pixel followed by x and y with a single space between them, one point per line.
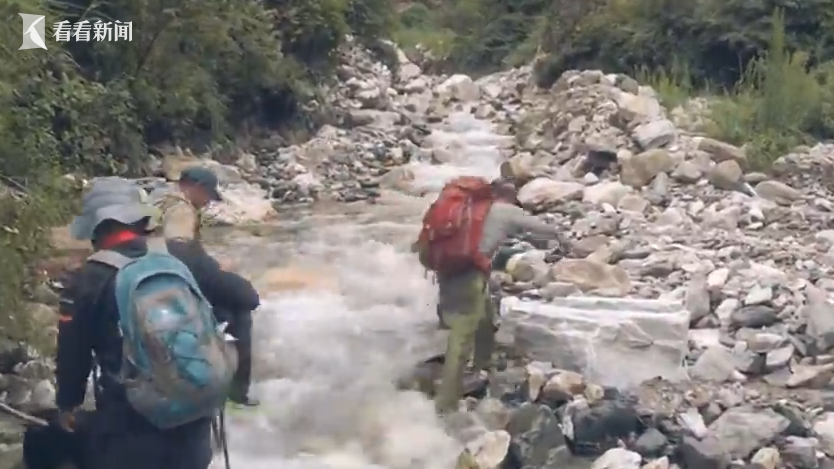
pixel 225 290
pixel 74 361
pixel 522 222
pixel 179 221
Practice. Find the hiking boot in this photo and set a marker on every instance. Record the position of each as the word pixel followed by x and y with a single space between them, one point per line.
pixel 245 401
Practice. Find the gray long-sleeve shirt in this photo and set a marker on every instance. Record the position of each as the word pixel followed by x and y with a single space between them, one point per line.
pixel 505 220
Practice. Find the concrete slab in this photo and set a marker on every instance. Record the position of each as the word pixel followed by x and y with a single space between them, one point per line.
pixel 612 341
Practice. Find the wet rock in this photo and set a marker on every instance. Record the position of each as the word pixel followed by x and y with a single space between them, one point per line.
pixel 640 169
pixel 754 316
pixel 618 458
pixel 490 449
pixel 12 353
pixel 652 443
pixel 687 172
pixel 767 458
pixel 459 87
pixel 697 299
pixel 617 342
pixel 606 193
pixel 741 430
pixel 654 134
pixel 725 175
pixel 800 453
pixel 561 388
pixel 589 275
pixel 541 193
pixel 720 151
pixel 493 413
pixel 715 364
pixel 537 437
pixel 528 266
pixel 819 314
pixel 692 422
pixel 706 454
pixel 596 428
pixel 778 192
pixel 824 430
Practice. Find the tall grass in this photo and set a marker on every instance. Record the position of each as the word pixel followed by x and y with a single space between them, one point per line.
pixel 780 102
pixel 674 86
pixel 774 105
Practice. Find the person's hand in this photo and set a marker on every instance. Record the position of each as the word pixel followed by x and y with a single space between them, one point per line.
pixel 227 264
pixel 66 420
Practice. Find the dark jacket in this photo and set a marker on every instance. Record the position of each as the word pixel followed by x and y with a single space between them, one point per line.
pixel 89 317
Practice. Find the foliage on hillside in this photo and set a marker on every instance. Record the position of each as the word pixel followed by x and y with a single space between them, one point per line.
pixel 766 64
pixel 195 73
pixel 780 102
pixel 716 39
pixel 475 36
pixel 769 75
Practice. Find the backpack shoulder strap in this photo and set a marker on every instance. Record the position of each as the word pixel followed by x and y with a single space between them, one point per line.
pixel 111 258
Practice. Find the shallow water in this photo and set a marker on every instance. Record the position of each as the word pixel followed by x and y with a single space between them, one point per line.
pixel 327 362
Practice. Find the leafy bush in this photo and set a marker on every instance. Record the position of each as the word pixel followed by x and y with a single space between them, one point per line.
pixel 779 102
pixel 32 87
pixel 674 87
pixel 370 20
pixel 475 36
pixel 420 26
pixel 776 105
pixel 716 39
pixel 195 73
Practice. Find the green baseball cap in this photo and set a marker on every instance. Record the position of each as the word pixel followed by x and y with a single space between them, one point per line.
pixel 205 178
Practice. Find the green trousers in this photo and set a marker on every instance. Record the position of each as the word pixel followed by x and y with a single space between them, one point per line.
pixel 465 308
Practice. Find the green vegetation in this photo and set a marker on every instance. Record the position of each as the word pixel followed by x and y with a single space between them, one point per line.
pixel 475 36
pixel 765 66
pixel 199 73
pixel 196 73
pixel 779 102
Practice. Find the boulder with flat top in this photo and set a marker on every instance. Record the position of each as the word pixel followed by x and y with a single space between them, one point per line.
pixel 612 341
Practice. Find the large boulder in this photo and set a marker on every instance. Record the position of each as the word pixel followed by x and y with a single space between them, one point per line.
pixel 614 342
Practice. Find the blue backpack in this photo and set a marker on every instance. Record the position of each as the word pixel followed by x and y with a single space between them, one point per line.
pixel 176 365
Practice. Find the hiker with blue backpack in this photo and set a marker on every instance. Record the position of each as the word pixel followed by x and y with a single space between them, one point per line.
pixel 142 312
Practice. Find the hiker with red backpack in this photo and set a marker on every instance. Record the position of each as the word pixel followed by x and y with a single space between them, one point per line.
pixel 461 232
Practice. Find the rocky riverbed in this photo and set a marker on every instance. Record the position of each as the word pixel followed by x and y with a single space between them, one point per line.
pixel 720 356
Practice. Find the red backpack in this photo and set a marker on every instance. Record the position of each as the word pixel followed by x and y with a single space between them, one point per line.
pixel 453 227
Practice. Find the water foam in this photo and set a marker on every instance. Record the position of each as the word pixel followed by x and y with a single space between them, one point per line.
pixel 328 362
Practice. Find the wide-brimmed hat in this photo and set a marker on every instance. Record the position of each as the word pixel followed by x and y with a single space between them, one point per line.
pixel 111 198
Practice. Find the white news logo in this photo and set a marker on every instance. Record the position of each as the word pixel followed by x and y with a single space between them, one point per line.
pixel 33 31
pixel 64 31
pixel 85 31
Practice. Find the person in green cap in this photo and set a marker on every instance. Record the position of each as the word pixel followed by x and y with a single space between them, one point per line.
pixel 182 209
pixel 182 219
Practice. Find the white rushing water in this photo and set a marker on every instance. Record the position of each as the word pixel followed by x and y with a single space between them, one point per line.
pixel 329 361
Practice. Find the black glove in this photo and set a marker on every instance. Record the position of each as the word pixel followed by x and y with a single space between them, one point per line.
pixel 502 256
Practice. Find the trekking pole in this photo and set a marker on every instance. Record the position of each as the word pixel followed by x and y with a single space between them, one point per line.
pixel 218 427
pixel 5 408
